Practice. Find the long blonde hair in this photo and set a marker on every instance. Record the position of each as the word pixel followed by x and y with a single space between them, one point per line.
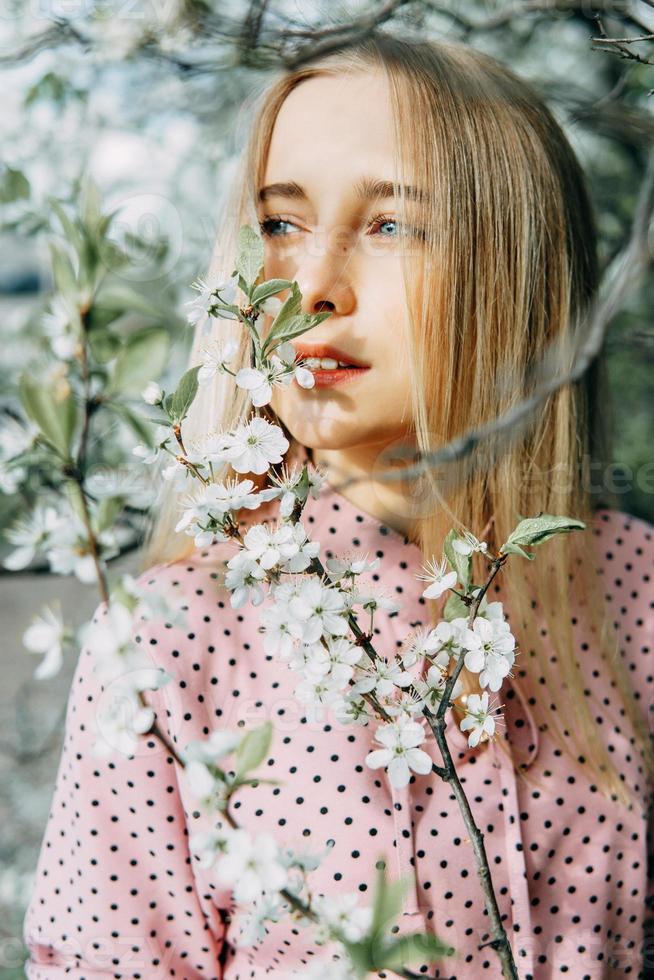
pixel 507 273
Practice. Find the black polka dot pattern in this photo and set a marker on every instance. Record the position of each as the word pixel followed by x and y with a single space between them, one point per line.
pixel 118 894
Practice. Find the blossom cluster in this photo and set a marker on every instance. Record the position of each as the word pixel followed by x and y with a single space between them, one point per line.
pixel 308 624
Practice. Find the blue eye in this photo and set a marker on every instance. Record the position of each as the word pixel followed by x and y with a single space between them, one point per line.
pixel 267 226
pixel 387 221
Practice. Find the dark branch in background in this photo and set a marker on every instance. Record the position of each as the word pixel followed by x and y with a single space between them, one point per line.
pixel 265 37
pixel 618 45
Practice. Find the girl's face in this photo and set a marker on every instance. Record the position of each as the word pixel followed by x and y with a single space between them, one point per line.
pixel 339 236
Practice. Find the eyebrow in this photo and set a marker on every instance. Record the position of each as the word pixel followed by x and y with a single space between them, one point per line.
pixel 366 188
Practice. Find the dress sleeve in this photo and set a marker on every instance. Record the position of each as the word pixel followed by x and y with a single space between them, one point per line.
pixel 115 893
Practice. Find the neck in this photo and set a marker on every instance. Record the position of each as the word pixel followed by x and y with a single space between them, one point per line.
pixel 390 501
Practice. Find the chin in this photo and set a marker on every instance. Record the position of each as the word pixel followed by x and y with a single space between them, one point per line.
pixel 320 430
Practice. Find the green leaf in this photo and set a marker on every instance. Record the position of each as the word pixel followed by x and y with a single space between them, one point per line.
pixel 536 530
pixel 294 327
pixel 90 203
pixel 250 256
pixel 462 564
pixel 107 511
pixel 71 231
pixel 182 399
pixel 104 345
pixel 141 359
pixel 379 948
pixel 360 955
pixel 417 948
pixel 515 549
pixel 253 748
pixel 388 898
pixel 14 185
pixel 63 272
pixel 291 321
pixel 269 288
pixel 455 608
pixel 55 417
pixel 121 298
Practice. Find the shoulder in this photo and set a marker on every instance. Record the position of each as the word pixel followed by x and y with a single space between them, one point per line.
pixel 625 557
pixel 186 626
pixel 625 554
pixel 188 607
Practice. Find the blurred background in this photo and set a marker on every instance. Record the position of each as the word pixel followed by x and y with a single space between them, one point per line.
pixel 149 99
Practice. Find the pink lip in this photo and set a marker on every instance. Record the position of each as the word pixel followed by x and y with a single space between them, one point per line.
pixel 327 379
pixel 326 350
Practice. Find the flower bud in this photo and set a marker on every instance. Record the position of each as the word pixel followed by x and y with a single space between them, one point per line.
pixel 152 393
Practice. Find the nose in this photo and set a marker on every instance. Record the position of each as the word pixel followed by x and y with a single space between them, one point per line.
pixel 326 285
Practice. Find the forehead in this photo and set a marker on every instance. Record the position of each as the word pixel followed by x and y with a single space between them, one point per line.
pixel 333 128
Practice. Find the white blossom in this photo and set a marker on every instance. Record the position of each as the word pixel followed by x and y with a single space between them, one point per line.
pixel 285 486
pixel 317 610
pixel 248 925
pixel 146 453
pixel 69 550
pixel 116 656
pixel 260 381
pixel 446 640
pixel 215 357
pixel 47 635
pixel 15 438
pixel 152 393
pixel 419 644
pixel 30 533
pixel 351 709
pixel 252 447
pixel 206 785
pixel 208 845
pixel 307 550
pixel 206 298
pixel 119 721
pixel 319 691
pixel 150 455
pixel 334 969
pixel 342 657
pixel 251 865
pixel 382 678
pixel 268 545
pixel 210 750
pixel 373 599
pixel 441 580
pixel 431 689
pixel 349 567
pixel 278 641
pixel 154 604
pixel 208 504
pixel 468 544
pixel 400 754
pixel 477 719
pixel 490 649
pixel 342 915
pixel 59 325
pixel 304 377
pixel 244 579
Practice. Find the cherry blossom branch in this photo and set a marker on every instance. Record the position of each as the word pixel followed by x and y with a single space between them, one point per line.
pixel 449 775
pixel 500 940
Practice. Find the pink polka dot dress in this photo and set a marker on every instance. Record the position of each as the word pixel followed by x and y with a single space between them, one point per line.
pixel 118 892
